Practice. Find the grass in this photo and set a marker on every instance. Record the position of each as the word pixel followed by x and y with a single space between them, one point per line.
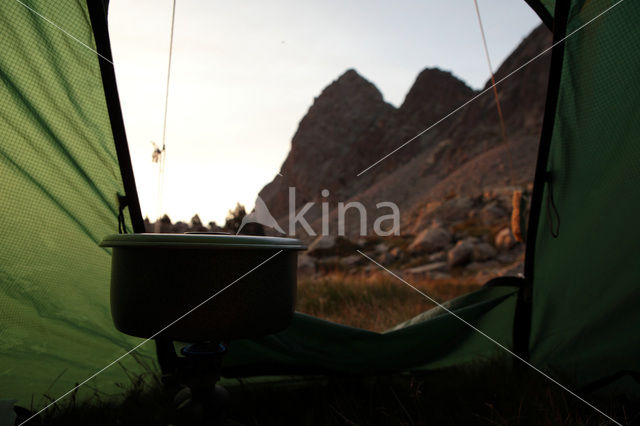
pixel 485 393
pixel 376 301
pixel 139 404
pixel 489 393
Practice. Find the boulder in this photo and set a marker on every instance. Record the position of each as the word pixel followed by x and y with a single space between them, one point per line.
pixel 460 254
pixel 323 243
pixel 430 267
pixel 504 239
pixel 455 209
pixel 440 256
pixel 482 252
pixel 471 240
pixel 351 260
pixel 440 276
pixel 508 256
pixel 492 213
pixel 431 240
pixel 381 248
pixel 483 266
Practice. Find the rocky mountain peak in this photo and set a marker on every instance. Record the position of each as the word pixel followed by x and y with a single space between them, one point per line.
pixel 433 92
pixel 342 112
pixel 349 127
pixel 349 91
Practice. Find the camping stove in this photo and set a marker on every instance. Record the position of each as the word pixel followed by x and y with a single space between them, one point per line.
pixel 193 377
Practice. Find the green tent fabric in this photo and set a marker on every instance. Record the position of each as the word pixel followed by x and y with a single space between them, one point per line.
pixel 59 182
pixel 434 339
pixel 66 177
pixel 586 280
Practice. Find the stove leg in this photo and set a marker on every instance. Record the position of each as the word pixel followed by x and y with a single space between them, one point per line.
pixel 200 401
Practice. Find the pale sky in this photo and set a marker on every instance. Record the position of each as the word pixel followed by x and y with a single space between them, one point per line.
pixel 244 73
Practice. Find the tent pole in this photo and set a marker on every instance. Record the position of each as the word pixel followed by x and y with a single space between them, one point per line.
pixel 523 313
pixel 98 17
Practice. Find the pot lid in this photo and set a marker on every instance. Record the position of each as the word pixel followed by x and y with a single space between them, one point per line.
pixel 212 241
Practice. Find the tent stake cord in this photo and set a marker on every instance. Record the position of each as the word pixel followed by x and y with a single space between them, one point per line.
pixel 163 150
pixel 503 128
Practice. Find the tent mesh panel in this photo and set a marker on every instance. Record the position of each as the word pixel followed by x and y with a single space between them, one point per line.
pixel 585 285
pixel 59 180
